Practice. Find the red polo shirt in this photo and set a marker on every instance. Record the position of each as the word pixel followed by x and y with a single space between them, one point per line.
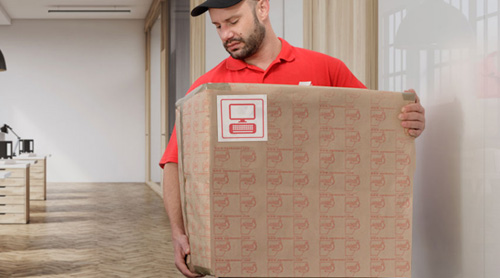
pixel 293 65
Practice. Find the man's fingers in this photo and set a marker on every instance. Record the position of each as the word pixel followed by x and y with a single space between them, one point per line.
pixel 412 124
pixel 182 267
pixel 185 248
pixel 411 116
pixel 414 132
pixel 181 250
pixel 413 107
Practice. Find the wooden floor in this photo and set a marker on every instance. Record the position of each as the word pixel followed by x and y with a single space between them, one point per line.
pixel 91 230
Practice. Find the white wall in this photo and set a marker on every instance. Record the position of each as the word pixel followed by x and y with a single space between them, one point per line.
pixel 456 193
pixel 286 19
pixel 77 88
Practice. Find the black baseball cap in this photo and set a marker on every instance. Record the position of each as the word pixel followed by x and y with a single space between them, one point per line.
pixel 218 4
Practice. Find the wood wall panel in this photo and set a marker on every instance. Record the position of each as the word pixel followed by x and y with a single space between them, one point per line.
pixel 198 43
pixel 348 30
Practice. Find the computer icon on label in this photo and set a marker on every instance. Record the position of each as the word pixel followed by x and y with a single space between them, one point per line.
pixel 242 112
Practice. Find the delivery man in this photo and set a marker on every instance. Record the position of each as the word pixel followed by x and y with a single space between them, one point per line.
pixel 257 55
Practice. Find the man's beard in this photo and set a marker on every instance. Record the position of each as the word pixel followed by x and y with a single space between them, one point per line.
pixel 251 44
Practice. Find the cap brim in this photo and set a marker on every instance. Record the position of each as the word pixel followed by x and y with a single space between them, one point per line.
pixel 216 4
pixel 198 10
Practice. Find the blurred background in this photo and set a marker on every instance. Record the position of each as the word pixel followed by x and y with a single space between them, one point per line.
pixel 448 51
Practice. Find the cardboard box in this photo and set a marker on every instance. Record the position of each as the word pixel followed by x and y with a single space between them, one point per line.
pixel 294 181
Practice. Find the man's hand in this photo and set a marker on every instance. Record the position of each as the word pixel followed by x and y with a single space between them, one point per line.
pixel 181 250
pixel 413 117
pixel 172 201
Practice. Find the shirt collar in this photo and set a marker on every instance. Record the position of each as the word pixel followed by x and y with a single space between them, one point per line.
pixel 286 54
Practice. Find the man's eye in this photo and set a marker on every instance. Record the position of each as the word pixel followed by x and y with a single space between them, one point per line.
pixel 234 22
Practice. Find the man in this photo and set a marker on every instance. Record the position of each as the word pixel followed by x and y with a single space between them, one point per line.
pixel 257 56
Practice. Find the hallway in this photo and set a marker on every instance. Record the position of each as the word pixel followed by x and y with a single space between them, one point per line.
pixel 90 230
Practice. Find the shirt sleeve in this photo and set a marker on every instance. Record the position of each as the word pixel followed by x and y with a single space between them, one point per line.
pixel 171 154
pixel 345 78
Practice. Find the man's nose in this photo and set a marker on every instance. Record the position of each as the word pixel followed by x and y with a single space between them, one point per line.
pixel 226 34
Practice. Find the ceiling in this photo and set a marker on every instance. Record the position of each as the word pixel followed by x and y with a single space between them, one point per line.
pixel 39 9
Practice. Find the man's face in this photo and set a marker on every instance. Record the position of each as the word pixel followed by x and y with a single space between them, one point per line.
pixel 239 29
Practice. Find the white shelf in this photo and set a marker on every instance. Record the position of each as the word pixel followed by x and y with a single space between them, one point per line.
pixel 17 164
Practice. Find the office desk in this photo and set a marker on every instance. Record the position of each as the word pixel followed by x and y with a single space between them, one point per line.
pixel 38 176
pixel 14 193
pixel 4 174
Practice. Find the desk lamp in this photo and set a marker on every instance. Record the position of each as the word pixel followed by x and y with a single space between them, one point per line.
pixel 27 144
pixel 3 67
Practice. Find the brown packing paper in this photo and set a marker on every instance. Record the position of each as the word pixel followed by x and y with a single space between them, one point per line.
pixel 329 194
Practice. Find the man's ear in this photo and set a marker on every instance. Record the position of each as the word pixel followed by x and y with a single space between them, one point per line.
pixel 262 9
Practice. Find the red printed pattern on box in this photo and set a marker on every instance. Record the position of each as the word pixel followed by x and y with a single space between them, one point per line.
pixel 310 191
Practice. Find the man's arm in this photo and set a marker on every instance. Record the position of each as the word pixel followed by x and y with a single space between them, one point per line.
pixel 172 202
